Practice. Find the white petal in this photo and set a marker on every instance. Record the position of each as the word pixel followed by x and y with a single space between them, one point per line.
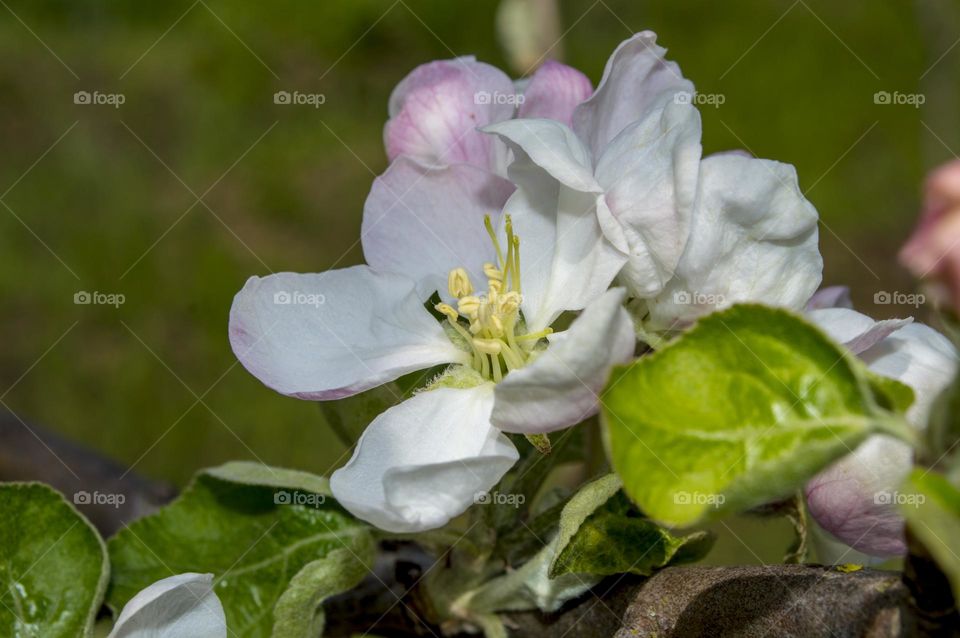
pixel 423 222
pixel 636 80
pixel 922 358
pixel 553 147
pixel 421 463
pixel 855 498
pixel 182 606
pixel 329 335
pixel 855 331
pixel 562 386
pixel 753 238
pixel 565 261
pixel 436 109
pixel 649 176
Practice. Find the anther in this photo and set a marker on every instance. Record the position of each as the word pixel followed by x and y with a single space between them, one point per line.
pixel 458 283
pixel 447 309
pixel 487 346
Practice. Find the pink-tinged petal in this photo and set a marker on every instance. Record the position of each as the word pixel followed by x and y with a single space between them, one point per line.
pixel 562 386
pixel 649 175
pixel 554 91
pixel 855 499
pixel 422 222
pixel 424 461
pixel 330 335
pixel 636 80
pixel 855 331
pixel 435 112
pixel 831 297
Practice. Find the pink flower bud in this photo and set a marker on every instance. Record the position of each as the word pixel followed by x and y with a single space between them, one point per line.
pixel 933 251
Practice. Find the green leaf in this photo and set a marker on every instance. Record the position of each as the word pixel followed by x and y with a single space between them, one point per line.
pixel 54 569
pixel 251 473
pixel 740 410
pixel 299 611
pixel 890 394
pixel 933 515
pixel 253 538
pixel 601 535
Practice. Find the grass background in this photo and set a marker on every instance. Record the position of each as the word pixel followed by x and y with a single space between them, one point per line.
pixel 99 198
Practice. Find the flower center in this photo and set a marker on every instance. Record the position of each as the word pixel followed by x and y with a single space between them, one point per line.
pixel 491 323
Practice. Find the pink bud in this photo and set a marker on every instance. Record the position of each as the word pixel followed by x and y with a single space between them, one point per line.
pixel 933 251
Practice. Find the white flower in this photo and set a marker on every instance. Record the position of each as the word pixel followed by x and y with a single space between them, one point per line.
pixel 181 606
pixel 855 498
pixel 421 462
pixel 697 235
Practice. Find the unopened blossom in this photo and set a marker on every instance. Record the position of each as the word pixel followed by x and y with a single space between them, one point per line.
pixel 698 234
pixel 855 499
pixel 181 606
pixel 503 281
pixel 436 111
pixel 933 251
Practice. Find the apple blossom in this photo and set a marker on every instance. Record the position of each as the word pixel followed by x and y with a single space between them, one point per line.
pixel 421 462
pixel 698 234
pixel 856 498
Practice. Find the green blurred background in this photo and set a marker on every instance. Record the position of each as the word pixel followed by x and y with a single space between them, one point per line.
pixel 94 199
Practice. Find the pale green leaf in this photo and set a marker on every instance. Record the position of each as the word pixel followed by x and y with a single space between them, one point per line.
pixel 252 473
pixel 742 409
pixel 54 569
pixel 299 611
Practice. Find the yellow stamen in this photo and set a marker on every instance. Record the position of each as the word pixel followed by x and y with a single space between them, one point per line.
pixel 458 283
pixel 446 309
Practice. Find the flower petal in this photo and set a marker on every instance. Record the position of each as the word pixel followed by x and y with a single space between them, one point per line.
pixel 649 176
pixel 636 80
pixel 554 91
pixel 422 222
pixel 330 335
pixel 855 498
pixel 436 109
pixel 562 386
pixel 922 358
pixel 753 238
pixel 565 260
pixel 181 606
pixel 422 462
pixel 551 146
pixel 830 297
pixel 855 331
